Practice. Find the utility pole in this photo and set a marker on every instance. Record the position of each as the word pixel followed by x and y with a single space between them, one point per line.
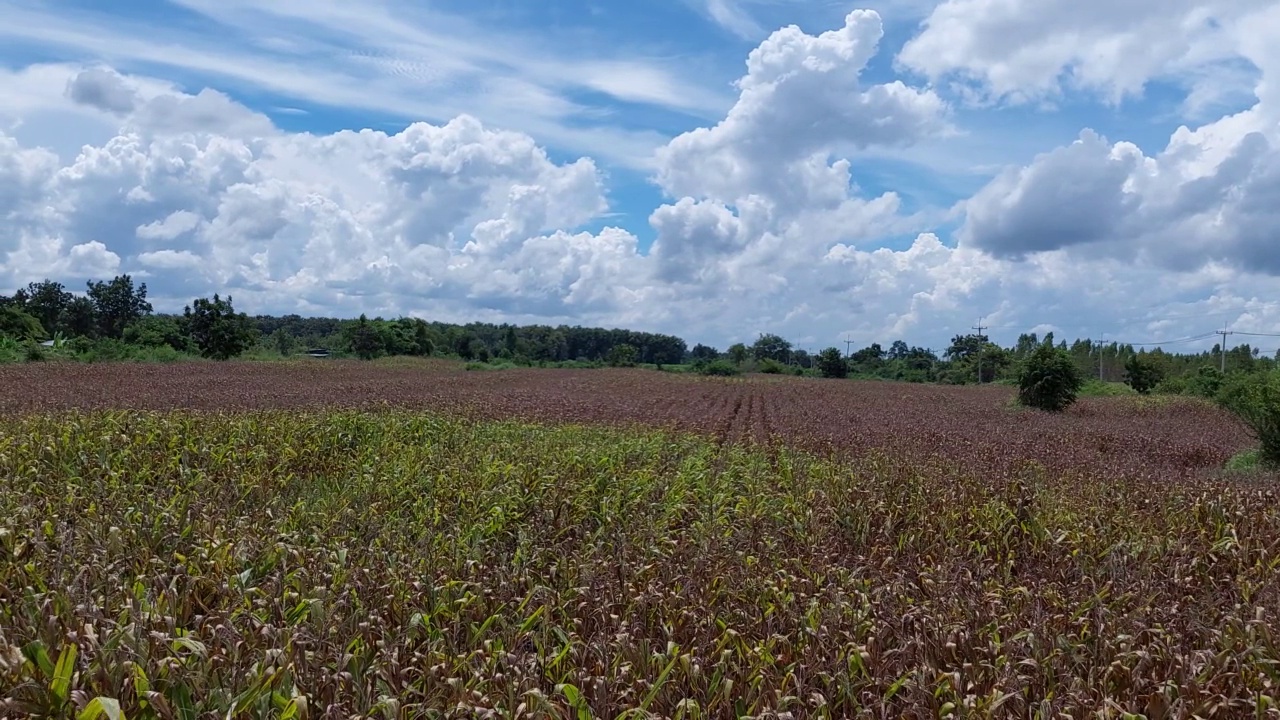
pixel 1222 349
pixel 980 327
pixel 848 348
pixel 1099 341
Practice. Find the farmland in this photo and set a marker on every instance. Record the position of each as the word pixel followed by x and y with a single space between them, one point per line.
pixel 414 540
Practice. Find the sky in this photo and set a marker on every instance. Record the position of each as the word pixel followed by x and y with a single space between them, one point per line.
pixel 716 169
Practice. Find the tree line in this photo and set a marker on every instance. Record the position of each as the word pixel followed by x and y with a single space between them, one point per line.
pixel 973 358
pixel 114 320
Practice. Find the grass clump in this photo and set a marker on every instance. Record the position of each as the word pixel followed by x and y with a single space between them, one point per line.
pixel 1098 388
pixel 1245 461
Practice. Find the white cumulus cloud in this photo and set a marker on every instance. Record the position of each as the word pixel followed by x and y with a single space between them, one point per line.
pixel 766 225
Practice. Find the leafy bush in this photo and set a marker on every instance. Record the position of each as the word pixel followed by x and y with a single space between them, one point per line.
pixel 1255 398
pixel 772 367
pixel 1172 386
pixel 622 355
pixel 20 325
pixel 1048 380
pixel 721 368
pixel 10 350
pixel 1142 375
pixel 157 331
pixel 34 352
pixel 1206 382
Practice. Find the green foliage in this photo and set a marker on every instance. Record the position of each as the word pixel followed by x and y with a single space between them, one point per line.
pixel 117 304
pixel 20 325
pixel 1244 462
pixel 11 351
pixel 283 343
pixel 112 350
pixel 703 352
pixel 158 331
pixel 47 302
pixel 771 347
pixel 720 368
pixel 622 356
pixel 770 366
pixel 79 319
pixel 1048 380
pixel 1141 374
pixel 1172 386
pixel 389 564
pixel 831 364
pixel 1255 398
pixel 366 342
pixel 216 329
pixel 1094 387
pixel 1206 382
pixel 738 353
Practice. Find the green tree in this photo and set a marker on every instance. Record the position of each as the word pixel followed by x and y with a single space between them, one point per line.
pixel 80 319
pixel 832 364
pixel 364 339
pixel 738 353
pixel 965 346
pixel 283 342
pixel 623 355
pixel 422 339
pixel 510 341
pixel 47 302
pixel 771 347
pixel 1048 379
pixel 868 359
pixel 703 352
pixel 117 303
pixel 158 331
pixel 1141 374
pixel 217 330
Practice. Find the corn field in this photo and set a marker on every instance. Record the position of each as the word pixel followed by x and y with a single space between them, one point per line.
pixel 409 563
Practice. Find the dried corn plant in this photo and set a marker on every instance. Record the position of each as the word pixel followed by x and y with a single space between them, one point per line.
pixel 755 558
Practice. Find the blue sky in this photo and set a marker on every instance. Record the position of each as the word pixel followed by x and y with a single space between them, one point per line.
pixel 921 163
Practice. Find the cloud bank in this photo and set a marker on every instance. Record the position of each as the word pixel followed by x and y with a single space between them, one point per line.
pixel 765 226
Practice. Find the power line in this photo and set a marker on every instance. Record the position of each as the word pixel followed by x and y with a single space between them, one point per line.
pixel 1176 341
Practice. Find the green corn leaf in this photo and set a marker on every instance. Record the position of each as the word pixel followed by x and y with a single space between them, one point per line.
pixel 101 706
pixel 39 656
pixel 60 688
